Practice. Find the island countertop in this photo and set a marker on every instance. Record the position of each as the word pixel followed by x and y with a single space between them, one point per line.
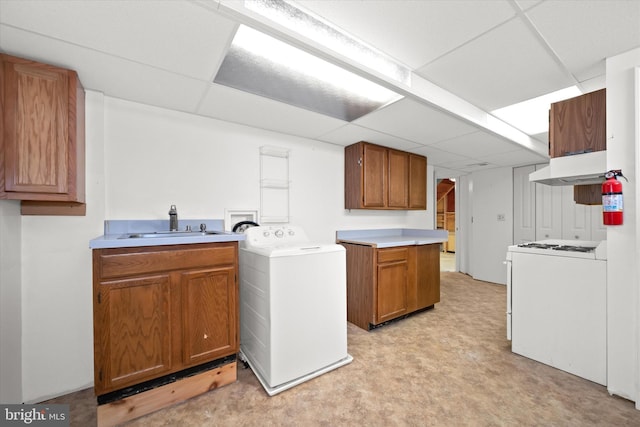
pixel 391 237
pixel 116 233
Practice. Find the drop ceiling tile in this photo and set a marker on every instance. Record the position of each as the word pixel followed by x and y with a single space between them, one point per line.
pixel 437 157
pixel 504 66
pixel 236 106
pixel 350 134
pixel 605 29
pixel 176 36
pixel 415 122
pixel 415 32
pixel 517 157
pixel 476 144
pixel 114 76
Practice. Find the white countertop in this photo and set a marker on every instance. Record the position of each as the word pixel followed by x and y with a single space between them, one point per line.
pixel 391 237
pixel 117 231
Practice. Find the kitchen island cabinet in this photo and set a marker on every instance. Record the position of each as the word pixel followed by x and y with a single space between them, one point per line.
pixel 391 273
pixel 161 313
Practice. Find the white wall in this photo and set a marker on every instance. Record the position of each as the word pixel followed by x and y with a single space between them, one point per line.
pixel 140 160
pixel 622 241
pixel 155 158
pixel 491 210
pixel 57 330
pixel 10 303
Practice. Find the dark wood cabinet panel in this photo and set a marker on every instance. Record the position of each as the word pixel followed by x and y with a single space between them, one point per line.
pixel 427 275
pixel 398 179
pixel 578 125
pixel 417 182
pixel 208 311
pixel 374 188
pixel 384 284
pixel 391 290
pixel 134 341
pixel 161 309
pixel 378 177
pixel 42 138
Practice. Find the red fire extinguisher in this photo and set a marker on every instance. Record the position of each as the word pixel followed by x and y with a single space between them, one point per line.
pixel 612 202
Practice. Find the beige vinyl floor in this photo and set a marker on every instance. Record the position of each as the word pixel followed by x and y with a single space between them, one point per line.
pixel 450 366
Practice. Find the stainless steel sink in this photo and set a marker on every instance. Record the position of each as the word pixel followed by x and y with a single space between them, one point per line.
pixel 156 234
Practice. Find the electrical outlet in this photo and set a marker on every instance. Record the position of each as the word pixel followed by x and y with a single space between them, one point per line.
pixel 501 217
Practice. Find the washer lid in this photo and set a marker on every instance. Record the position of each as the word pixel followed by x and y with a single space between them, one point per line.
pixel 295 250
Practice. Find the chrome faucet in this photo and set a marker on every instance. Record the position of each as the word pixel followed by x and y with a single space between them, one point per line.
pixel 173 218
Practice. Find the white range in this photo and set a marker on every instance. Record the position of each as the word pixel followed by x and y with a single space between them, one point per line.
pixel 556 304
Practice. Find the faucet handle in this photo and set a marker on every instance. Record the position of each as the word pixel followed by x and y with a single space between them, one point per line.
pixel 203 227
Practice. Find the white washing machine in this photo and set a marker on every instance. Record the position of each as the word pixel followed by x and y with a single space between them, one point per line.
pixel 293 306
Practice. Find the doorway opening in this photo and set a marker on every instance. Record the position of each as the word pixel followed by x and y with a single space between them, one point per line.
pixel 446 220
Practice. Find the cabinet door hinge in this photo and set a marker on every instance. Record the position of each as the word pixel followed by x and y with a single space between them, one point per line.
pixel 360 161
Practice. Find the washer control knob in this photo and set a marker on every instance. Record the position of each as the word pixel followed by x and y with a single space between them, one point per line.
pixel 291 232
pixel 265 233
pixel 279 233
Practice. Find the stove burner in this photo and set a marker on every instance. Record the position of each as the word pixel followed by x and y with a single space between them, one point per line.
pixel 557 247
pixel 538 245
pixel 573 248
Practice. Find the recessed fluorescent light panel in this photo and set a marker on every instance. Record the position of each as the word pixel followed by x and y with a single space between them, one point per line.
pixel 532 116
pixel 316 28
pixel 265 66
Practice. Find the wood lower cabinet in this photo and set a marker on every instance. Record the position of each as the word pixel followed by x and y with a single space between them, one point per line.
pixel 42 157
pixel 392 276
pixel 378 177
pixel 161 309
pixel 388 283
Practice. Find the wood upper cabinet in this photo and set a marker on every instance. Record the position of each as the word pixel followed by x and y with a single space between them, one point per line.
pixel 417 182
pixel 387 283
pixel 161 309
pixel 373 162
pixel 578 125
pixel 378 177
pixel 398 195
pixel 42 139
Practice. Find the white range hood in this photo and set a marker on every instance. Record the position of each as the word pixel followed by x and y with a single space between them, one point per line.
pixel 579 169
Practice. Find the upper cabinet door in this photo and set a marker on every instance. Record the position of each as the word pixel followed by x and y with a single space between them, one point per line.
pixel 578 125
pixel 42 140
pixel 374 189
pixel 417 182
pixel 398 179
pixel 35 129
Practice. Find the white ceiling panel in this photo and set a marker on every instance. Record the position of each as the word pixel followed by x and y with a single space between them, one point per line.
pixel 489 53
pixel 606 28
pixel 176 36
pixel 416 122
pixel 113 76
pixel 499 68
pixel 351 133
pixel 436 156
pixel 517 157
pixel 435 26
pixel 235 106
pixel 476 144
